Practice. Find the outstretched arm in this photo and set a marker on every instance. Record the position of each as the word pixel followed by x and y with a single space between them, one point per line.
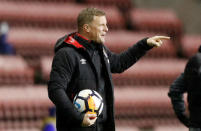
pixel 122 61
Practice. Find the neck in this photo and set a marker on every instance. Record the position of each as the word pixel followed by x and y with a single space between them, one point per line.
pixel 84 35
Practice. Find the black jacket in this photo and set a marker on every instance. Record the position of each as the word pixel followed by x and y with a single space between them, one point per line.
pixel 69 75
pixel 190 82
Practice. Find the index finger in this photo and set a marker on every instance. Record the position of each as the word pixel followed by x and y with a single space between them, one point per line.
pixel 163 37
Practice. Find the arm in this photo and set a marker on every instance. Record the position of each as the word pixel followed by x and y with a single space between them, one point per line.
pixel 122 61
pixel 177 89
pixel 62 70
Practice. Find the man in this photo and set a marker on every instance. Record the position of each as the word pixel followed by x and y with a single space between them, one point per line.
pixel 190 82
pixel 81 62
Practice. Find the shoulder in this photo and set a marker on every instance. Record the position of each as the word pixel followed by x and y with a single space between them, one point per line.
pixel 193 65
pixel 195 60
pixel 198 56
pixel 65 57
pixel 67 52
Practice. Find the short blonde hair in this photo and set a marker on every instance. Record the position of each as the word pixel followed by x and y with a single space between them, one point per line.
pixel 86 16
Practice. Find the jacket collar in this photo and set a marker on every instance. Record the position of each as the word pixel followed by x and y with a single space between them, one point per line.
pixel 72 41
pixel 80 41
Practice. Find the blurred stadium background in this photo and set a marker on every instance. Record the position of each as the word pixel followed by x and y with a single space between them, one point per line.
pixel 141 99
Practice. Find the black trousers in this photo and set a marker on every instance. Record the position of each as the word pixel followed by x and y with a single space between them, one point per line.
pixel 194 129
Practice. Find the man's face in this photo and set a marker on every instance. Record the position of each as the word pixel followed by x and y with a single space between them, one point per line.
pixel 98 29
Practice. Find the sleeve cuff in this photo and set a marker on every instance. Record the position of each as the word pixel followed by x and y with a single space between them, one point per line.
pixel 144 44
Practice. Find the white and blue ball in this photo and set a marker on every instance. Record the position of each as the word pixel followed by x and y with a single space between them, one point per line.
pixel 88 100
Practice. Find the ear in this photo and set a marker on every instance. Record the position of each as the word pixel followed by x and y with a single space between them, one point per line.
pixel 86 28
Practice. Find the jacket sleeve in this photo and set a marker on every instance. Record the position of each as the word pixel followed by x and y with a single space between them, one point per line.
pixel 121 62
pixel 62 70
pixel 177 89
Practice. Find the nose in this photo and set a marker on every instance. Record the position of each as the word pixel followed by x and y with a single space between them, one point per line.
pixel 106 28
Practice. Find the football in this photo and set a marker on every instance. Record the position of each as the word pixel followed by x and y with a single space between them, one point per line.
pixel 88 101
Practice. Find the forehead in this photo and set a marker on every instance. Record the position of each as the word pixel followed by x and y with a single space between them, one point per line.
pixel 99 19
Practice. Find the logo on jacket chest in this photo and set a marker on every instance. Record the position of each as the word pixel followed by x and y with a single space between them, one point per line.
pixel 83 61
